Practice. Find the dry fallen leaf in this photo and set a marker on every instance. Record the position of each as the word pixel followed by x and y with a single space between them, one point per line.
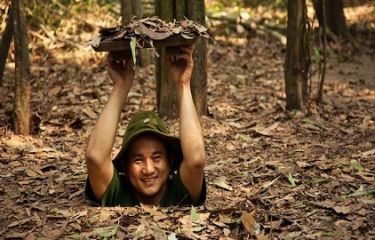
pixel 222 183
pixel 248 222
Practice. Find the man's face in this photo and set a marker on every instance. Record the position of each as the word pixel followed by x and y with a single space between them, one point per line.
pixel 148 167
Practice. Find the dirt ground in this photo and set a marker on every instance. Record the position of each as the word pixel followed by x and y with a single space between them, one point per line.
pixel 270 174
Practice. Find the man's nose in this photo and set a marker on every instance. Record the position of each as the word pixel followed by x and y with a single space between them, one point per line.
pixel 149 167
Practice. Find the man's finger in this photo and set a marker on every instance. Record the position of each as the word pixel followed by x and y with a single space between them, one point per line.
pixel 182 57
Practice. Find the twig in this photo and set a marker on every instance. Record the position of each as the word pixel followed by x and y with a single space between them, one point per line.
pixel 324 62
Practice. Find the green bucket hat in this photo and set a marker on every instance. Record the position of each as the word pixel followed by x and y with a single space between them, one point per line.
pixel 149 122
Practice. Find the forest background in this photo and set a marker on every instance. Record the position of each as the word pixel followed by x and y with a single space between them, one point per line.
pixel 271 173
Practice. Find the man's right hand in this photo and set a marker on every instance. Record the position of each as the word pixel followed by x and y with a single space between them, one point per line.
pixel 121 70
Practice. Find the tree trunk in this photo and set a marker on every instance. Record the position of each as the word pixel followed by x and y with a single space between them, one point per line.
pixel 296 62
pixel 336 21
pixel 180 6
pixel 126 11
pixel 166 93
pixel 143 55
pixel 137 8
pixel 5 43
pixel 165 88
pixel 22 112
pixel 196 12
pixel 129 9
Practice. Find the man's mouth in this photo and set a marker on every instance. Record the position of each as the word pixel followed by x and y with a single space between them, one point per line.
pixel 149 181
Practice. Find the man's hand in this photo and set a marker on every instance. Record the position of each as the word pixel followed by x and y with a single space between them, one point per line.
pixel 120 70
pixel 181 65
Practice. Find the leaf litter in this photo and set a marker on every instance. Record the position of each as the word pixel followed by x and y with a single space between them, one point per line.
pixel 259 148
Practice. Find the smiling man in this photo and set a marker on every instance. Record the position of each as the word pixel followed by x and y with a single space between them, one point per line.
pixel 152 167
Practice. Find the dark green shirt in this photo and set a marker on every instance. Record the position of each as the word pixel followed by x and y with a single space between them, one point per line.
pixel 121 193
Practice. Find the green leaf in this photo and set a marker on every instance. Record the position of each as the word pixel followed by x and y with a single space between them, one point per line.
pixel 106 232
pixel 133 43
pixel 355 164
pixel 74 236
pixel 317 57
pixel 194 214
pixel 291 180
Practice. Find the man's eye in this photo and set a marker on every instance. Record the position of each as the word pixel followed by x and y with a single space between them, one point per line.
pixel 157 157
pixel 137 160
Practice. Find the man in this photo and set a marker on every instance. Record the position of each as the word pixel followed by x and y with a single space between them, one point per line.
pixel 152 166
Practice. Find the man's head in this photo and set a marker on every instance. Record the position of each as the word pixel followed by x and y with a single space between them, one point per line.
pixel 148 154
pixel 147 166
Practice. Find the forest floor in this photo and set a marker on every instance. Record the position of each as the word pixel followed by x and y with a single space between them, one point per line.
pixel 270 174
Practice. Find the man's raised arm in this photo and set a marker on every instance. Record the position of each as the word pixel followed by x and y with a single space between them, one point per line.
pixel 191 137
pixel 102 138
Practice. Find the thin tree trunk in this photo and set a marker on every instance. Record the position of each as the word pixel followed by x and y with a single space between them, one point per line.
pixel 165 89
pixel 5 43
pixel 322 71
pixel 296 65
pixel 196 12
pixel 22 112
pixel 336 21
pixel 137 8
pixel 166 92
pixel 180 6
pixel 143 55
pixel 126 11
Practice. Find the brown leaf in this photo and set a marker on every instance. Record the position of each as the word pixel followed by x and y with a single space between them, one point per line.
pixel 76 194
pixel 342 209
pixel 153 34
pixel 31 173
pixel 368 153
pixel 89 112
pixel 226 232
pixel 248 222
pixel 261 237
pixel 357 223
pixel 222 183
pixel 268 131
pixel 18 223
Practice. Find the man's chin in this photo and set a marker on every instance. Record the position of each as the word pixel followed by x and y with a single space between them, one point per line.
pixel 150 191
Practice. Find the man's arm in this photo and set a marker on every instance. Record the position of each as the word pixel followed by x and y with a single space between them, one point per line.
pixel 102 138
pixel 191 137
